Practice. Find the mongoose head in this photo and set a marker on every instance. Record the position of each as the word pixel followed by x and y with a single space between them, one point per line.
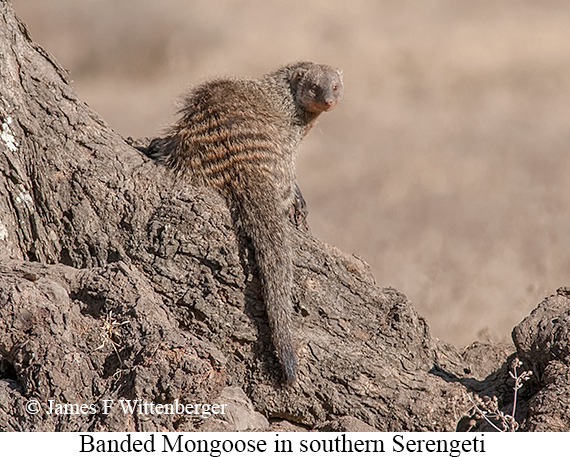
pixel 316 88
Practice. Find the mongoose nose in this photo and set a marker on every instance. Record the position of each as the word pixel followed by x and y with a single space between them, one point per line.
pixel 330 104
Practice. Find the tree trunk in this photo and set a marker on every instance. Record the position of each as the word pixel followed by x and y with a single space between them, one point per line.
pixel 119 283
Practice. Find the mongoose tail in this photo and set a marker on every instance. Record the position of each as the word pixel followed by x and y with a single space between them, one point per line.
pixel 271 242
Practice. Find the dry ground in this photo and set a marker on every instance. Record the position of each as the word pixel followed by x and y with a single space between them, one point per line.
pixel 447 165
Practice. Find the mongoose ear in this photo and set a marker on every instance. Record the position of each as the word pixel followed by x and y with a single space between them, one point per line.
pixel 298 74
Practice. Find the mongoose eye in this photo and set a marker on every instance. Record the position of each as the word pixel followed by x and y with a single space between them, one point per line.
pixel 335 87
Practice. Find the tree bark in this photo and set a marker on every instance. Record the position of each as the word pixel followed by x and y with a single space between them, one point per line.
pixel 118 282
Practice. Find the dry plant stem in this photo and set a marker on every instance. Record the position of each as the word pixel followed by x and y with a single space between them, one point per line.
pixel 519 380
pixel 516 388
pixel 487 408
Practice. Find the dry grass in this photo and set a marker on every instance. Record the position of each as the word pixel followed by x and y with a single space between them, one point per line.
pixel 446 167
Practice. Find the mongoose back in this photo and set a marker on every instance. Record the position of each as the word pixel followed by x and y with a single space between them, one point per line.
pixel 241 137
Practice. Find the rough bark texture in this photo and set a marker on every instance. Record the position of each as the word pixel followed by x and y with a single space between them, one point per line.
pixel 117 282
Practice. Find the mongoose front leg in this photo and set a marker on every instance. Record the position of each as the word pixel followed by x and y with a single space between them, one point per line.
pixel 298 211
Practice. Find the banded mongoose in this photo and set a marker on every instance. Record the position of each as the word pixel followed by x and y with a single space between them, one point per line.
pixel 241 137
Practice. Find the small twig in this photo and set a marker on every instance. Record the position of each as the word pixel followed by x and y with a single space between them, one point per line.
pixel 484 413
pixel 111 333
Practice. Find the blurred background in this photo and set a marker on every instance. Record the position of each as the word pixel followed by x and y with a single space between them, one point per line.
pixel 446 167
